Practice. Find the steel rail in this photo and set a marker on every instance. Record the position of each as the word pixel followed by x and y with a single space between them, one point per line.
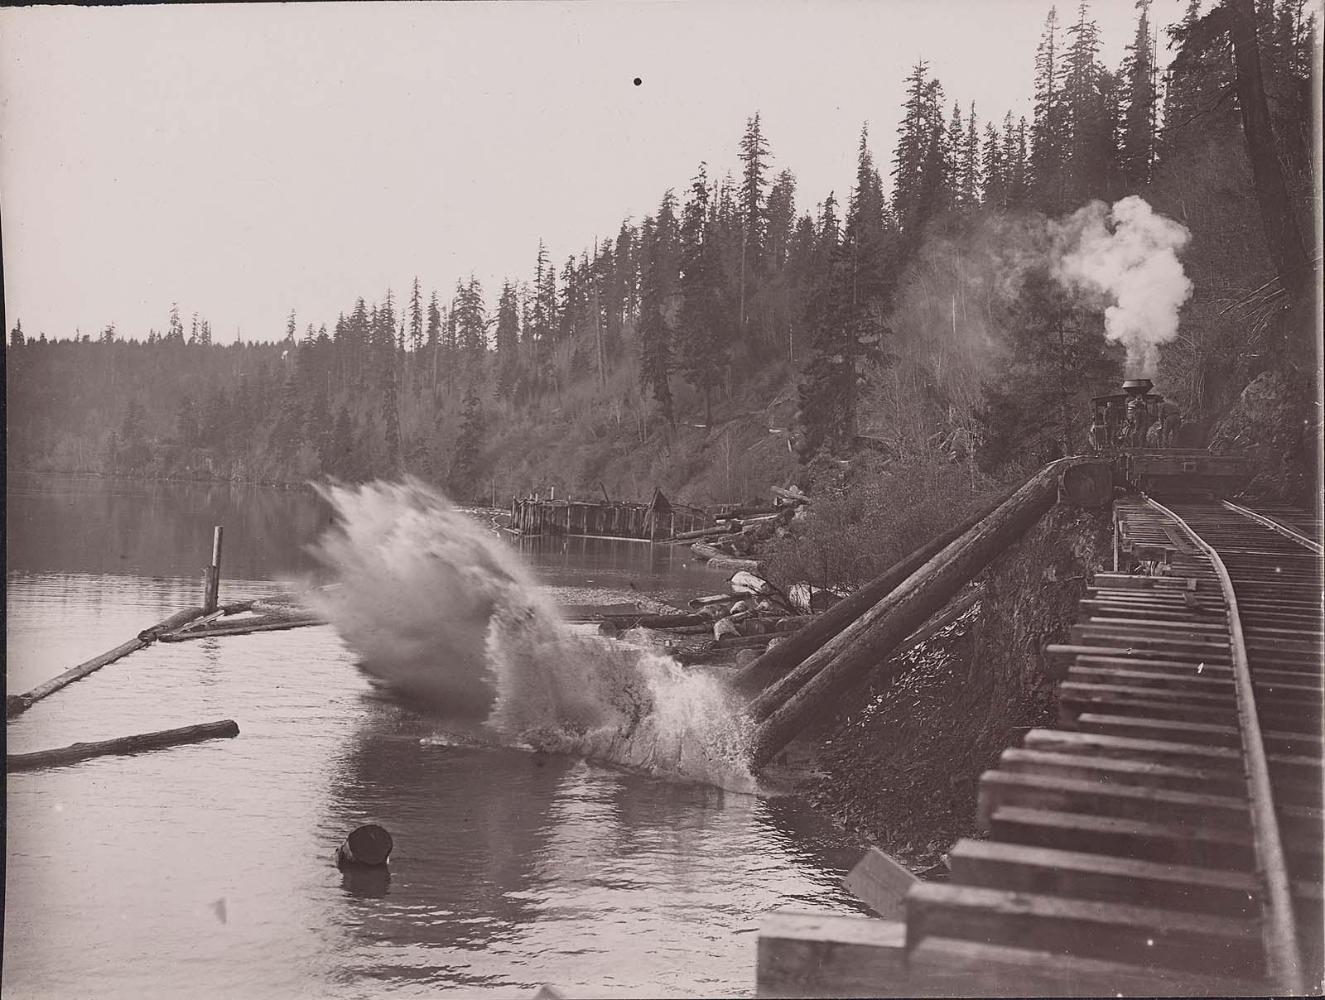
pixel 1280 925
pixel 1275 526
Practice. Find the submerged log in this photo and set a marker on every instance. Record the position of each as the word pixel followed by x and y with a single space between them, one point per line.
pixel 17 704
pixel 123 745
pixel 368 845
pixel 817 684
pixel 777 662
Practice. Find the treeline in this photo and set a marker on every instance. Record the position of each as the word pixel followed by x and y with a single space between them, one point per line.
pixel 734 310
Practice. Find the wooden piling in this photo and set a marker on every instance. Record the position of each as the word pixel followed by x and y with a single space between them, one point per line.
pixel 213 573
pixel 122 745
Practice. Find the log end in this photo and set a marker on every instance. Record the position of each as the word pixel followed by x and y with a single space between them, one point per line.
pixel 16 704
pixel 368 845
pixel 1087 484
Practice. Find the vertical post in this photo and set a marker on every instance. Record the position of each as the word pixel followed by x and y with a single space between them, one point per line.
pixel 213 573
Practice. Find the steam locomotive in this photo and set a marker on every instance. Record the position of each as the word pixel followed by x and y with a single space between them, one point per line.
pixel 1141 432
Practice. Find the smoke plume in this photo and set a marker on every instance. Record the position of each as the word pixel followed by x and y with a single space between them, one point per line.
pixel 1125 258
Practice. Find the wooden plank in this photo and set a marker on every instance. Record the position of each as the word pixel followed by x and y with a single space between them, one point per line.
pixel 1081 875
pixel 1112 931
pixel 1201 847
pixel 1174 753
pixel 945 967
pixel 1081 767
pixel 828 955
pixel 1033 791
pixel 881 883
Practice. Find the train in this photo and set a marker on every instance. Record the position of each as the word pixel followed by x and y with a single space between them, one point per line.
pixel 1139 431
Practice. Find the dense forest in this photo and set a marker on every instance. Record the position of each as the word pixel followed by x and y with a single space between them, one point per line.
pixel 737 337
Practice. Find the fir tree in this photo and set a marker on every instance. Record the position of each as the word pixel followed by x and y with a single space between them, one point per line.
pixel 754 154
pixel 1138 137
pixel 468 448
pixel 702 341
pixel 16 338
pixel 507 337
pixel 1050 128
pixel 657 287
pixel 416 318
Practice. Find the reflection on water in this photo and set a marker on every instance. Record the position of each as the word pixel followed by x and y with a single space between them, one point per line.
pixel 207 869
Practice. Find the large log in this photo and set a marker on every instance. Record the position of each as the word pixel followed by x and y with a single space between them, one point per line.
pixel 17 704
pixel 707 552
pixel 865 644
pixel 726 528
pixel 124 744
pixel 775 664
pixel 243 628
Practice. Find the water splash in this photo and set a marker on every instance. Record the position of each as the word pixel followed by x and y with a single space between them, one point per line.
pixel 446 616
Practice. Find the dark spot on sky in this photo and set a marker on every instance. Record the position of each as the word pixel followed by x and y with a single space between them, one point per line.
pixel 638 81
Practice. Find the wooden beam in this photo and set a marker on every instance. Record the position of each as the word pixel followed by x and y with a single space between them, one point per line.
pixel 829 955
pixel 881 884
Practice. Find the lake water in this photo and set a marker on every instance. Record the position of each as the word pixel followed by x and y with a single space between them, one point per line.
pixel 206 870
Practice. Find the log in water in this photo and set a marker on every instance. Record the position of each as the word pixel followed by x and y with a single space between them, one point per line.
pixel 122 745
pixel 17 704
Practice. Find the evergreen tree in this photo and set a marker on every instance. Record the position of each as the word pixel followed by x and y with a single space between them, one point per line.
pixel 993 167
pixel 969 166
pixel 507 338
pixel 340 447
pixel 754 155
pixel 1138 137
pixel 416 318
pixel 1089 148
pixel 468 448
pixel 913 140
pixel 16 338
pixel 175 331
pixel 657 286
pixel 702 338
pixel 1050 129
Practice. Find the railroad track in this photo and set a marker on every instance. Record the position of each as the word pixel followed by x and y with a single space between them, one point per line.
pixel 1168 838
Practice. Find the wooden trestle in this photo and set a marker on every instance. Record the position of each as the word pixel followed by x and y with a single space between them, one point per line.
pixel 1168 838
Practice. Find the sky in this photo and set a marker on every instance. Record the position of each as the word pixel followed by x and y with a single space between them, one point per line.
pixel 248 160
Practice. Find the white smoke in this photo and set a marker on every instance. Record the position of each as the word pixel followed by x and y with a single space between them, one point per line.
pixel 446 616
pixel 1125 258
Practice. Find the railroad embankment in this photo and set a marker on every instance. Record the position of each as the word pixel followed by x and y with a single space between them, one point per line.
pixel 901 763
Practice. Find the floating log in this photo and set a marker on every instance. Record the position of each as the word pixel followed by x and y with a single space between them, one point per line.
pixel 123 745
pixel 820 680
pixel 171 624
pixel 776 663
pixel 707 551
pixel 243 628
pixel 17 704
pixel 369 845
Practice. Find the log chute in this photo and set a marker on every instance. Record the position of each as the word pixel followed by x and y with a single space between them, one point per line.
pixel 777 662
pixel 813 689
